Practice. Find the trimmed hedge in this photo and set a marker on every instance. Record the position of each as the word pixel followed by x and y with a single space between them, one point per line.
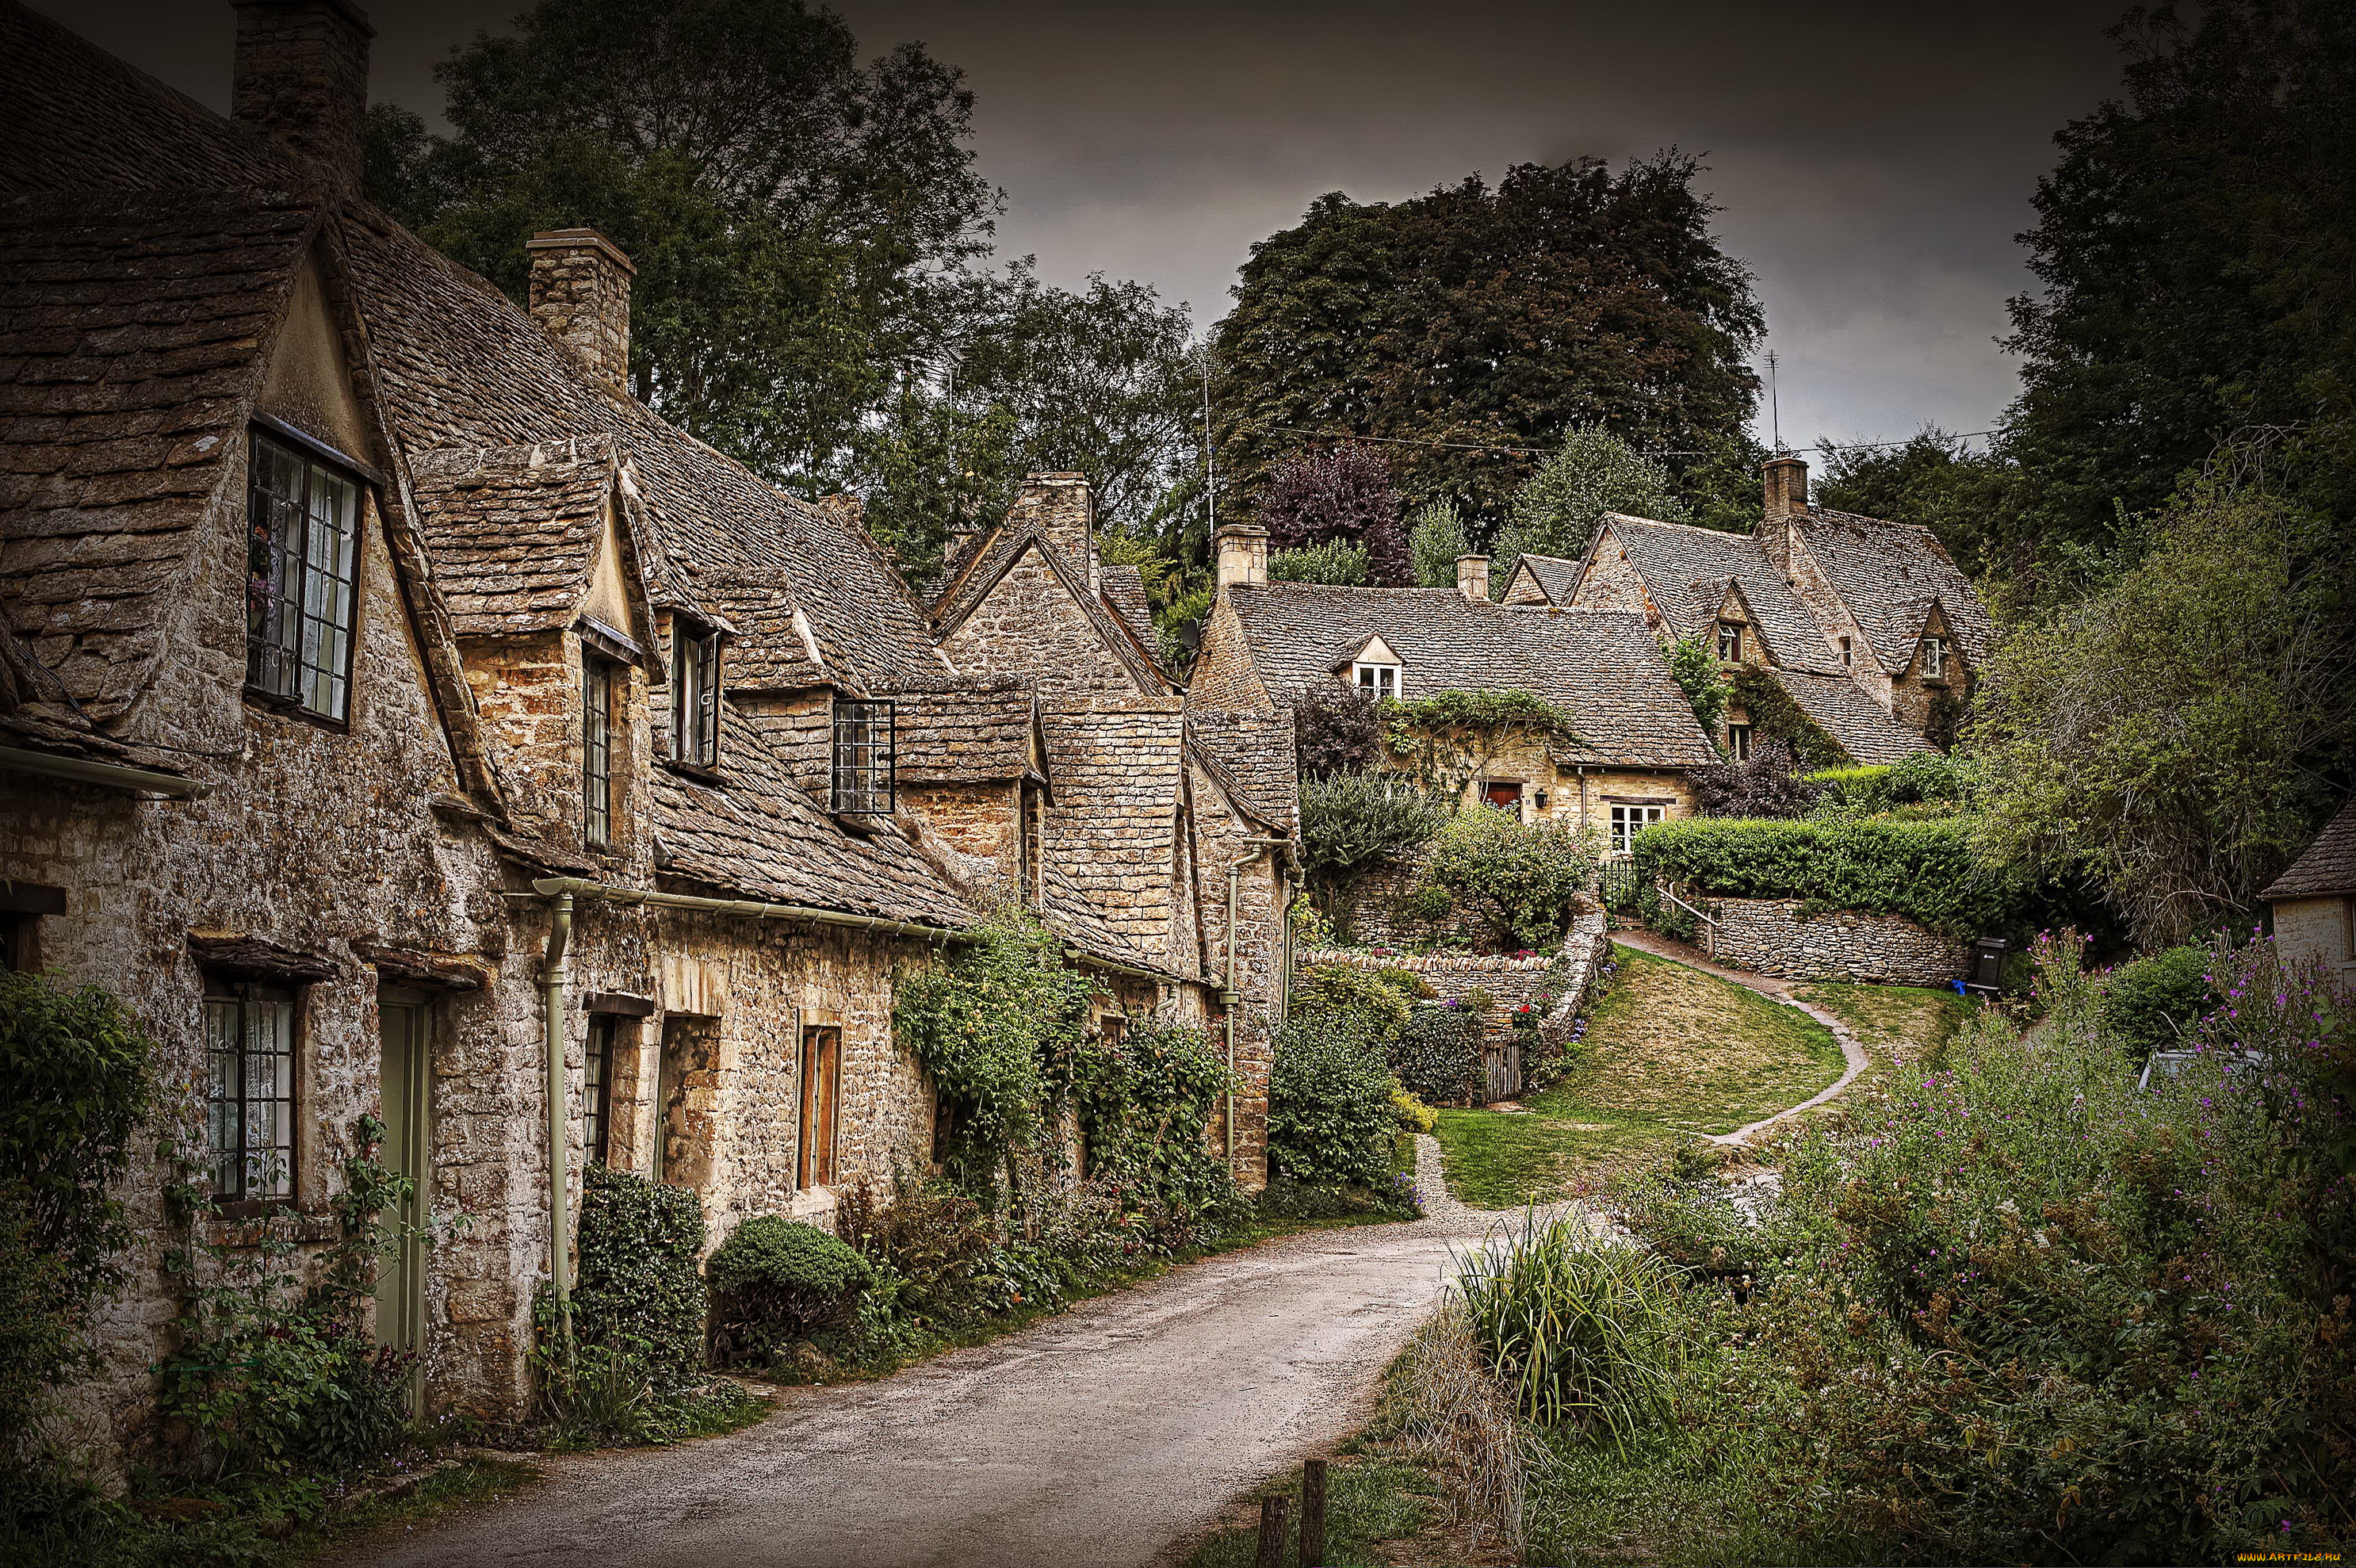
pixel 640 1293
pixel 776 1280
pixel 1329 1103
pixel 2149 1004
pixel 1922 870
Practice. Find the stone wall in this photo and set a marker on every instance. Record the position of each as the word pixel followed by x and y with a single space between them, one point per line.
pixel 1769 936
pixel 2322 929
pixel 1031 624
pixel 1511 982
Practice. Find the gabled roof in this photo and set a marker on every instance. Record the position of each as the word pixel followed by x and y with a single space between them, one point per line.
pixel 135 328
pixel 1603 667
pixel 1888 573
pixel 1687 571
pixel 969 730
pixel 1001 550
pixel 1250 756
pixel 514 530
pixel 1554 577
pixel 1862 727
pixel 1124 593
pixel 2328 864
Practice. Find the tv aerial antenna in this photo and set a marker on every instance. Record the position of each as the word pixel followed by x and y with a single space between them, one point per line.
pixel 1775 405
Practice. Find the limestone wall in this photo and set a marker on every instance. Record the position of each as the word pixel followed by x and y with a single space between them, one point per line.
pixel 1769 936
pixel 1512 981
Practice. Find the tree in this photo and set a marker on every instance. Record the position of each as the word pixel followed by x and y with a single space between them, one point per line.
pixel 2179 734
pixel 1766 784
pixel 1718 480
pixel 1434 541
pixel 2197 248
pixel 1345 493
pixel 1489 317
pixel 1933 479
pixel 1517 878
pixel 1554 514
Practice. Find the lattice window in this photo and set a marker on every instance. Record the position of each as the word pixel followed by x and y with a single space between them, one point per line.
pixel 596 749
pixel 301 575
pixel 250 1095
pixel 695 714
pixel 597 1088
pixel 863 756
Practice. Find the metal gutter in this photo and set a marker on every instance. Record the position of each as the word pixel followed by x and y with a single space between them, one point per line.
pixel 112 774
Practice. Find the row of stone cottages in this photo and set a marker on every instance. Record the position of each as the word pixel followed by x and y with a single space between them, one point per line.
pixel 404 721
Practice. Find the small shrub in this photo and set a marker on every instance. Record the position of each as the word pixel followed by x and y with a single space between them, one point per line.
pixel 1412 1114
pixel 928 1237
pixel 1767 785
pixel 1926 778
pixel 1337 561
pixel 1352 823
pixel 639 1293
pixel 1329 1115
pixel 1437 1054
pixel 1377 1002
pixel 774 1281
pixel 1517 878
pixel 2149 1004
pixel 1446 1403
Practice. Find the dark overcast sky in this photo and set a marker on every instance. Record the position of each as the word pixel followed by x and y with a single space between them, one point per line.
pixel 1874 160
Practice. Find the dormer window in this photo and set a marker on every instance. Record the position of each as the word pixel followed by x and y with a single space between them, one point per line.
pixel 301 570
pixel 1729 640
pixel 1934 657
pixel 597 684
pixel 863 757
pixel 1847 655
pixel 1378 681
pixel 695 711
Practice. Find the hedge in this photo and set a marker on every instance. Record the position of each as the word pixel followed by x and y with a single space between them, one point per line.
pixel 1922 870
pixel 640 1292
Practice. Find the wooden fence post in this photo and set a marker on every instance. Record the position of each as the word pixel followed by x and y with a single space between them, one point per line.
pixel 1272 1511
pixel 1313 1513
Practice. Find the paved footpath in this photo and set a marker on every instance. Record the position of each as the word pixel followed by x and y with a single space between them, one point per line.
pixel 1099 1437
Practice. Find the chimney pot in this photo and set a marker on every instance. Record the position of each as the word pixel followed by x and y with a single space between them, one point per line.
pixel 581 295
pixel 1787 485
pixel 1243 553
pixel 301 78
pixel 1473 577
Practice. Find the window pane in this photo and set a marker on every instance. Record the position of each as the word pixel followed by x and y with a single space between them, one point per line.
pixel 330 551
pixel 596 749
pixel 224 1098
pixel 269 1097
pixel 274 567
pixel 863 756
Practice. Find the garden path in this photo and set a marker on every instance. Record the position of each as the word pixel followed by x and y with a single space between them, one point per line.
pixel 1099 1437
pixel 1775 990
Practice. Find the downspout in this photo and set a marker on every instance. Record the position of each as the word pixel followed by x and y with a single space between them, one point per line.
pixel 552 974
pixel 1228 997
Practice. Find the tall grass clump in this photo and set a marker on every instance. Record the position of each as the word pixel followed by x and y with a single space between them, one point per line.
pixel 1447 1411
pixel 1581 1334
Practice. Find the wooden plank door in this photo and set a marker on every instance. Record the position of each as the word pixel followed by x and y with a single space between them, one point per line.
pixel 822 1085
pixel 404 1038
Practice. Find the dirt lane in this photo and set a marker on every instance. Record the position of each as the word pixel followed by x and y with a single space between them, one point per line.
pixel 1095 1438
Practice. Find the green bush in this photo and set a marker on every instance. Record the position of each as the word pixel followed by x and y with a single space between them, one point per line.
pixel 928 1238
pixel 1145 1101
pixel 1354 822
pixel 1376 1002
pixel 1516 878
pixel 1437 1057
pixel 638 1294
pixel 1411 1113
pixel 2149 1004
pixel 1922 870
pixel 1337 561
pixel 1926 778
pixel 1329 1113
pixel 76 1080
pixel 774 1281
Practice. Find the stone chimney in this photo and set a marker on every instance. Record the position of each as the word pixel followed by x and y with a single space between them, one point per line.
pixel 581 295
pixel 1473 577
pixel 1065 510
pixel 301 79
pixel 1243 553
pixel 1787 486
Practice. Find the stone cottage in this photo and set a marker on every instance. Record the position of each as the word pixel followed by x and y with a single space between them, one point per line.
pixel 408 723
pixel 2313 904
pixel 1266 644
pixel 1866 626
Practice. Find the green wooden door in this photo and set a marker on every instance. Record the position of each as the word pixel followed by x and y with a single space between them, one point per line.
pixel 404 1025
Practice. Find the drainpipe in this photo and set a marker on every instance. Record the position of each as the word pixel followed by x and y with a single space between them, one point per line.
pixel 1228 997
pixel 551 979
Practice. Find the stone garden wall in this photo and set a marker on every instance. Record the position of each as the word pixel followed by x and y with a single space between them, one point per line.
pixel 1770 936
pixel 1511 982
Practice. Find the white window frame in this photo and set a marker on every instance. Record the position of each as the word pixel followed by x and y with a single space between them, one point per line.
pixel 1628 820
pixel 1729 631
pixel 1376 681
pixel 1738 740
pixel 1934 657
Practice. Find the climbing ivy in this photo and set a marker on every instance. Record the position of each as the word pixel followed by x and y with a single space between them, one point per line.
pixel 1448 738
pixel 1144 1100
pixel 1774 713
pixel 1693 665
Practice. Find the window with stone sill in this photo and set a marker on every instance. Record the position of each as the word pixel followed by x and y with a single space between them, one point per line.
pixel 1378 681
pixel 864 779
pixel 597 691
pixel 1729 640
pixel 302 578
pixel 695 708
pixel 1934 657
pixel 249 1090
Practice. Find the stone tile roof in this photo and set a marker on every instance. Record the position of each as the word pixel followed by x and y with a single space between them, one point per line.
pixel 1124 591
pixel 1001 549
pixel 1603 667
pixel 133 331
pixel 1863 726
pixel 1888 573
pixel 966 731
pixel 459 364
pixel 80 119
pixel 513 530
pixel 1252 757
pixel 763 838
pixel 1687 571
pixel 2327 866
pixel 1556 577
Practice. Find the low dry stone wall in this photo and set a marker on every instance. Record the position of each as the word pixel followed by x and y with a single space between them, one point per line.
pixel 1511 982
pixel 1770 936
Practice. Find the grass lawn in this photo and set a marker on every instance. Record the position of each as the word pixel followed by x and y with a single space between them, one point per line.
pixel 1671 1053
pixel 1893 1023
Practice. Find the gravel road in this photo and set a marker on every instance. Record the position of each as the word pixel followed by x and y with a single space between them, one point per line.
pixel 1097 1438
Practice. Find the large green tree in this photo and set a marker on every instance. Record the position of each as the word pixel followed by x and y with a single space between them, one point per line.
pixel 2197 245
pixel 1933 478
pixel 1556 511
pixel 1478 317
